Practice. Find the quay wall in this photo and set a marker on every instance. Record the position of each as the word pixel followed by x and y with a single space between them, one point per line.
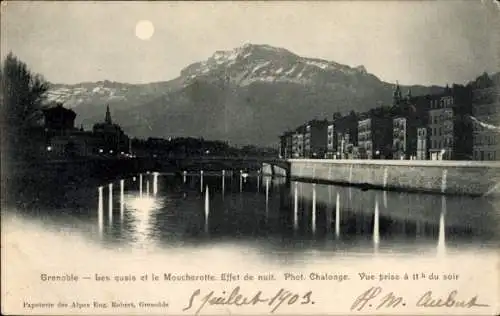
pixel 475 178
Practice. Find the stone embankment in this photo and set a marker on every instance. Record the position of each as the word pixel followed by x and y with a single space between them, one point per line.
pixel 475 178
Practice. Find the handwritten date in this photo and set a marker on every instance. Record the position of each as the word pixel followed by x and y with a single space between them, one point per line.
pixel 199 301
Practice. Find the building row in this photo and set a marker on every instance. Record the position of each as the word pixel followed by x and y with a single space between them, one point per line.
pixel 458 124
pixel 57 137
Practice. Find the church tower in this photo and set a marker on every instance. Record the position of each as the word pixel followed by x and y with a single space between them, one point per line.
pixel 107 119
pixel 397 96
pixel 409 96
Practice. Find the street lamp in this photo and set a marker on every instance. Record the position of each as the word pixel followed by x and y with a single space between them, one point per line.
pixel 49 148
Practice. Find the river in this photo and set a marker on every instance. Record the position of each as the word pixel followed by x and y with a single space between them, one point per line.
pixel 254 223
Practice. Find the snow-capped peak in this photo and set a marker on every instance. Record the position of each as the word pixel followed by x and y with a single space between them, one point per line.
pixel 251 62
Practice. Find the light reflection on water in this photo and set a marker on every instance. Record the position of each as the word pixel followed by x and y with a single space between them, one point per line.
pixel 286 220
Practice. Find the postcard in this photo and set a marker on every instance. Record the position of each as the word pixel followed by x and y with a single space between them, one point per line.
pixel 250 158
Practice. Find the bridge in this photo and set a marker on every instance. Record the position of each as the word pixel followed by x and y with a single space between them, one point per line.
pixel 268 165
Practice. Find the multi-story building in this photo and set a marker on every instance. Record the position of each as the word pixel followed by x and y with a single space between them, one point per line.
pixel 450 128
pixel 400 138
pixel 298 142
pixel 486 120
pixel 441 127
pixel 344 146
pixel 286 142
pixel 346 129
pixel 331 146
pixel 422 151
pixel 307 141
pixel 365 140
pixel 410 113
pixel 315 139
pixel 375 135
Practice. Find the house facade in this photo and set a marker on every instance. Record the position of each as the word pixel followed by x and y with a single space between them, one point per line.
pixel 486 119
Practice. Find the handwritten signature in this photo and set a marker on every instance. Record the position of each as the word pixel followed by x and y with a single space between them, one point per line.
pixel 374 297
pixel 199 301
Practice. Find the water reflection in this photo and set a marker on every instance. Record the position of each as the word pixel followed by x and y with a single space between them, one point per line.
pixel 376 232
pixel 207 209
pixel 241 180
pixel 442 229
pixel 287 215
pixel 296 206
pixel 122 199
pixel 201 181
pixel 267 197
pixel 100 212
pixel 155 183
pixel 313 211
pixel 140 185
pixel 385 198
pixel 141 210
pixel 110 204
pixel 337 216
pixel 223 181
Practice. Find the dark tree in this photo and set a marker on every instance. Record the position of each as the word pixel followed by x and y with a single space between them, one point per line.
pixel 21 97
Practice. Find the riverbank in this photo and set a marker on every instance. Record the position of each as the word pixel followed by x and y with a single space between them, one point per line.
pixel 473 178
pixel 19 177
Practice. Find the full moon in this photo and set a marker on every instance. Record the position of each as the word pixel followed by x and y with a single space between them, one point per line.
pixel 144 29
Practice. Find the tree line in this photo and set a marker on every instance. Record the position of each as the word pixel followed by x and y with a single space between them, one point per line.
pixel 21 97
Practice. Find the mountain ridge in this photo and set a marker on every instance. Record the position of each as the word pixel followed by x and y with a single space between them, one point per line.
pixel 247 95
